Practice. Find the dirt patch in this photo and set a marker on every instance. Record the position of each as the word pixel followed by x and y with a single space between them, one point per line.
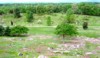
pixel 44 50
pixel 78 42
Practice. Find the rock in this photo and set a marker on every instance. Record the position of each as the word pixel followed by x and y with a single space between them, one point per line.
pixel 49 48
pixel 66 51
pixel 39 22
pixel 42 56
pixel 88 53
pixel 55 51
pixel 30 39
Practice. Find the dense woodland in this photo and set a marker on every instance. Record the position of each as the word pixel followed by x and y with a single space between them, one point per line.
pixel 48 8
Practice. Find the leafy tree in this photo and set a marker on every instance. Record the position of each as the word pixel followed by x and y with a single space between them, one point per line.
pixel 66 29
pixel 29 16
pixel 49 22
pixel 70 18
pixel 40 9
pixel 1 12
pixel 2 30
pixel 65 7
pixel 89 9
pixel 17 13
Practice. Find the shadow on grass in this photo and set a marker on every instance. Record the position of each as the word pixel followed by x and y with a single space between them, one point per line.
pixel 14 36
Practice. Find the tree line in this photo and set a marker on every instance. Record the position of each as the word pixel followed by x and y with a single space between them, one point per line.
pixel 79 8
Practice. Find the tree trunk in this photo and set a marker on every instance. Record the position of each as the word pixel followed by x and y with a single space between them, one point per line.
pixel 63 37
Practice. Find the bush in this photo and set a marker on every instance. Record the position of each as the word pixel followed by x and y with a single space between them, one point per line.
pixel 85 25
pixel 2 30
pixel 18 31
pixel 1 12
pixel 66 29
pixel 49 21
pixel 7 31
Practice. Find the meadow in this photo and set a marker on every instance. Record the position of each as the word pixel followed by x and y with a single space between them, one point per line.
pixel 42 40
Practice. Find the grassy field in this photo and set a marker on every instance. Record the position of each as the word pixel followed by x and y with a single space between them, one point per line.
pixel 55 17
pixel 93 31
pixel 42 37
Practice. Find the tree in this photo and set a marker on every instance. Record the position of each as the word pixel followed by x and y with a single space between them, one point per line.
pixel 66 29
pixel 29 16
pixel 89 9
pixel 17 13
pixel 65 7
pixel 49 22
pixel 70 18
pixel 1 12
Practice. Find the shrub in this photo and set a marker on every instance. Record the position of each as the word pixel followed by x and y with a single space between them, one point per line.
pixel 2 30
pixel 85 25
pixel 7 31
pixel 1 12
pixel 66 29
pixel 49 22
pixel 18 31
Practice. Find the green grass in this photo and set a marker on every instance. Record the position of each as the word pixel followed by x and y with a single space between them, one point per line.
pixel 55 17
pixel 10 49
pixel 92 31
pixel 42 30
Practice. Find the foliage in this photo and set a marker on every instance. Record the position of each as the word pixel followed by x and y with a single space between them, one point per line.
pixel 2 30
pixel 49 22
pixel 17 13
pixel 85 23
pixel 89 9
pixel 1 12
pixel 66 29
pixel 70 18
pixel 29 16
pixel 79 8
pixel 19 30
pixel 7 31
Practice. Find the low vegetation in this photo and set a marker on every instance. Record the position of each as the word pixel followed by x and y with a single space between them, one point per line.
pixel 13 31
